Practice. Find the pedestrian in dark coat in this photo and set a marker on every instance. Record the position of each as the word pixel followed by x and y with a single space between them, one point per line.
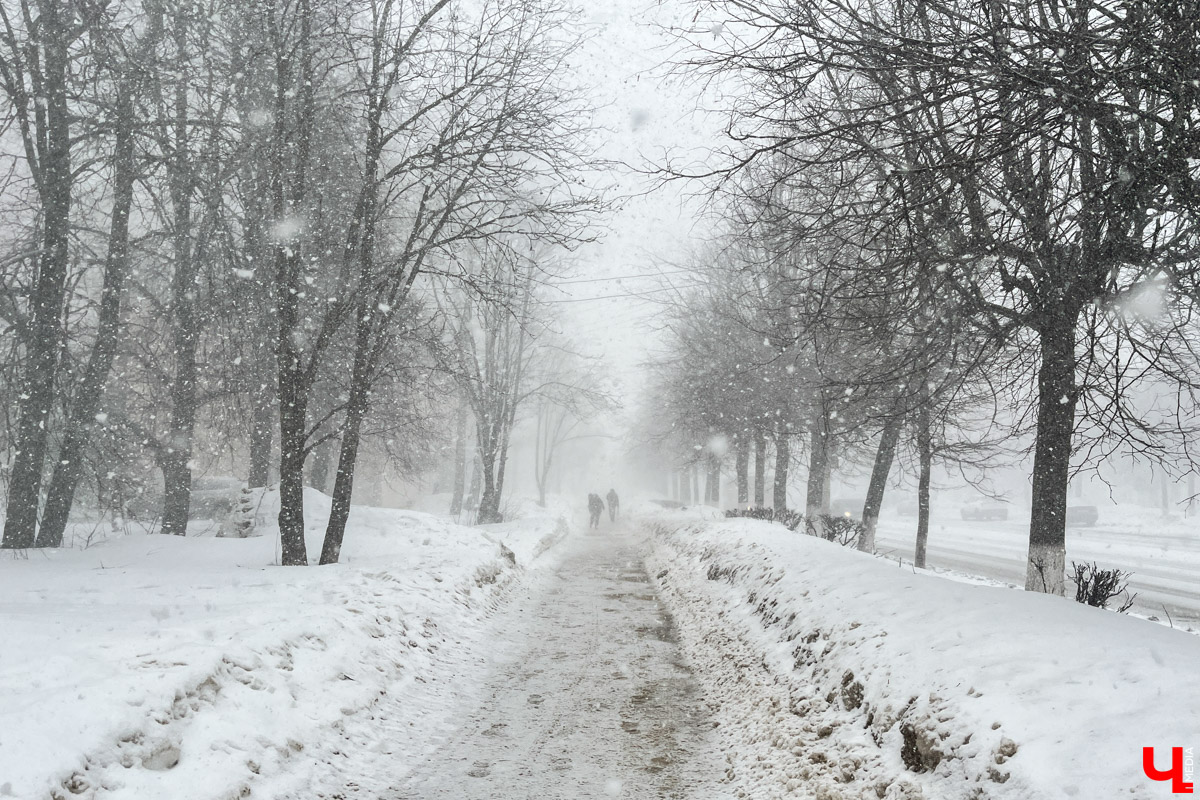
pixel 595 509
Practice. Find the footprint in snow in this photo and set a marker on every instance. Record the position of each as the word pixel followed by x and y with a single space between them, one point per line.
pixel 497 729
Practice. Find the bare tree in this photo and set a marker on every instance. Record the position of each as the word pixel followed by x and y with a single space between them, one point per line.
pixel 35 68
pixel 568 394
pixel 1037 156
pixel 478 156
pixel 490 351
pixel 129 87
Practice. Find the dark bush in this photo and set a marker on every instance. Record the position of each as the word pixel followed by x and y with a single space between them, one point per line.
pixel 760 512
pixel 786 517
pixel 1097 587
pixel 842 529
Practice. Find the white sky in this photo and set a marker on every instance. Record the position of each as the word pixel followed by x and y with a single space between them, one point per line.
pixel 647 114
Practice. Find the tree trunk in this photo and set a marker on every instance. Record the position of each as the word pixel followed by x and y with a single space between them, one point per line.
pixel 694 474
pixel 177 492
pixel 69 466
pixel 176 463
pixel 293 417
pixel 322 466
pixel 782 458
pixel 260 201
pixel 925 459
pixel 760 469
pixel 742 464
pixel 45 334
pixel 293 435
pixel 370 486
pixel 343 490
pixel 185 324
pixel 356 412
pixel 827 477
pixel 293 381
pixel 712 484
pixel 460 463
pixel 1057 395
pixel 498 489
pixel 489 501
pixel 476 481
pixel 685 486
pixel 262 436
pixel 885 454
pixel 815 504
pixel 502 464
pixel 492 457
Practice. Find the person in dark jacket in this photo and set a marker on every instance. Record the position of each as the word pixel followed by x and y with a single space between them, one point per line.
pixel 614 505
pixel 595 509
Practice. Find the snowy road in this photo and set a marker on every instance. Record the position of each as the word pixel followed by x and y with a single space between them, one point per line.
pixel 1164 560
pixel 586 694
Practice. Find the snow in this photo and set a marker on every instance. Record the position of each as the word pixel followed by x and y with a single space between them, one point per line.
pixel 1163 555
pixel 822 661
pixel 154 666
pixel 684 655
pixel 583 693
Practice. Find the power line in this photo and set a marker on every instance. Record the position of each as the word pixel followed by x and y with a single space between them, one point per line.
pixel 640 294
pixel 621 277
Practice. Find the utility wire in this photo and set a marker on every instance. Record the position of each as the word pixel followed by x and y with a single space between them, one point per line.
pixel 620 277
pixel 641 294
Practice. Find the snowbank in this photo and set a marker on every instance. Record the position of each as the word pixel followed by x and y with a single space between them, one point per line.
pixel 834 674
pixel 157 667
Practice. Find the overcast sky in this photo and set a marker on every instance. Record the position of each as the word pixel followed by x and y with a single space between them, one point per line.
pixel 647 113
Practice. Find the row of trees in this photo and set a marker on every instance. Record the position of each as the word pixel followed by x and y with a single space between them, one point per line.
pixel 510 361
pixel 949 221
pixel 230 226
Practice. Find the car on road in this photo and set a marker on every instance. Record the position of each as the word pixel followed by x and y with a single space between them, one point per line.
pixel 984 510
pixel 1082 516
pixel 847 507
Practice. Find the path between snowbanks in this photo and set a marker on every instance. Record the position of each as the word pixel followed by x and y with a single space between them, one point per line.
pixel 582 695
pixel 162 667
pixel 837 675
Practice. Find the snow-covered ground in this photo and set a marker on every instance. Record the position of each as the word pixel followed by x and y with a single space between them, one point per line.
pixel 834 674
pixel 584 694
pixel 159 667
pixel 1162 554
pixel 685 657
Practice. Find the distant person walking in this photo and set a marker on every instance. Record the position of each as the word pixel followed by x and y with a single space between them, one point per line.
pixel 614 505
pixel 595 509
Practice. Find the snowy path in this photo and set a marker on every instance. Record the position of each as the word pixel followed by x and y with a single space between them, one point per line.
pixel 586 694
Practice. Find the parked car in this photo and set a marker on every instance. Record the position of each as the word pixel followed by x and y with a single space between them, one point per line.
pixel 1082 516
pixel 984 509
